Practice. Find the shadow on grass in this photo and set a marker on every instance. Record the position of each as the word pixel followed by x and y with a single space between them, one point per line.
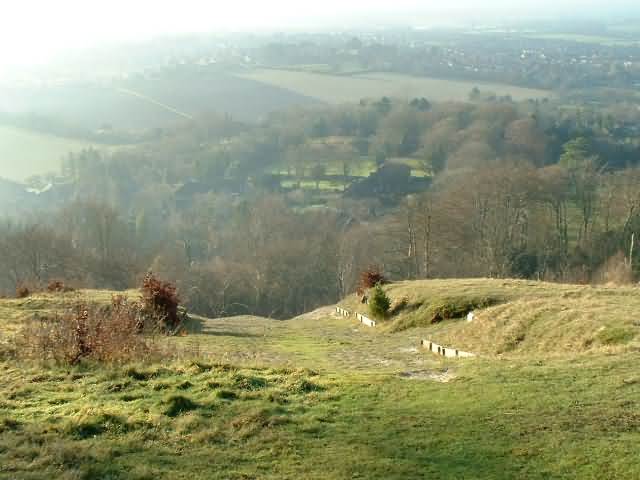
pixel 200 325
pixel 229 333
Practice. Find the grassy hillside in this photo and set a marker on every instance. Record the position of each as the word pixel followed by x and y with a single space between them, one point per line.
pixel 341 89
pixel 198 92
pixel 321 396
pixel 159 101
pixel 24 153
pixel 89 106
pixel 519 317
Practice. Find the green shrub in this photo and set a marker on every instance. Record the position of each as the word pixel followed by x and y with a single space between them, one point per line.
pixel 379 303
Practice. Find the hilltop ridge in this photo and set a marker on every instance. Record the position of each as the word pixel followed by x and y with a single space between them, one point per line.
pixel 516 316
pixel 276 398
pixel 511 317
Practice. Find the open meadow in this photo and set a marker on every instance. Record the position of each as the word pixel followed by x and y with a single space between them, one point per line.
pixel 24 153
pixel 144 103
pixel 608 41
pixel 322 396
pixel 351 88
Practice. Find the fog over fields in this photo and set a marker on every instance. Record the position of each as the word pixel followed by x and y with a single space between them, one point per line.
pixel 386 240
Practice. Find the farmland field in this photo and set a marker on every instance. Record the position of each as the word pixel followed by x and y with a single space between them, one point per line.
pixel 24 153
pixel 360 167
pixel 154 102
pixel 594 39
pixel 214 91
pixel 342 89
pixel 88 106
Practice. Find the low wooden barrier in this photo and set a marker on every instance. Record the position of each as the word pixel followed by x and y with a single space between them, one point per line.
pixel 365 321
pixel 445 351
pixel 361 318
pixel 431 346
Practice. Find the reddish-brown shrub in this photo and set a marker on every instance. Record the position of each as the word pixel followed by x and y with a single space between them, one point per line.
pixel 58 286
pixel 23 291
pixel 161 300
pixel 371 277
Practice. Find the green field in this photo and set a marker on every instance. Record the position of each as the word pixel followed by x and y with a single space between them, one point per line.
pixel 594 39
pixel 24 153
pixel 341 89
pixel 143 103
pixel 362 167
pixel 323 397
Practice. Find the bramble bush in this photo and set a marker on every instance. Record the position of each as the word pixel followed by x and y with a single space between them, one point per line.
pixel 58 286
pixel 23 291
pixel 161 301
pixel 371 277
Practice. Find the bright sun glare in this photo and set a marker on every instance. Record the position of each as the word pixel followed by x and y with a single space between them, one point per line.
pixel 32 30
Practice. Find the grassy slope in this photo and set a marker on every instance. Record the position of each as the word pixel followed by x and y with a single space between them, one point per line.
pixel 341 89
pixel 146 103
pixel 89 106
pixel 13 312
pixel 24 153
pixel 375 407
pixel 526 318
pixel 196 93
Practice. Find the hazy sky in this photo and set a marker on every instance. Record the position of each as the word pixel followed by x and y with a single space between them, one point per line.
pixel 32 30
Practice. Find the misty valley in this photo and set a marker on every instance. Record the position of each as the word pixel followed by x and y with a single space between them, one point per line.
pixel 380 250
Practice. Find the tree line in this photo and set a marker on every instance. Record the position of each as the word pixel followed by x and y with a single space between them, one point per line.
pixel 527 190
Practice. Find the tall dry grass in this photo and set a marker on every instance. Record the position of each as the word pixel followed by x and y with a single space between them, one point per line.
pixel 120 333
